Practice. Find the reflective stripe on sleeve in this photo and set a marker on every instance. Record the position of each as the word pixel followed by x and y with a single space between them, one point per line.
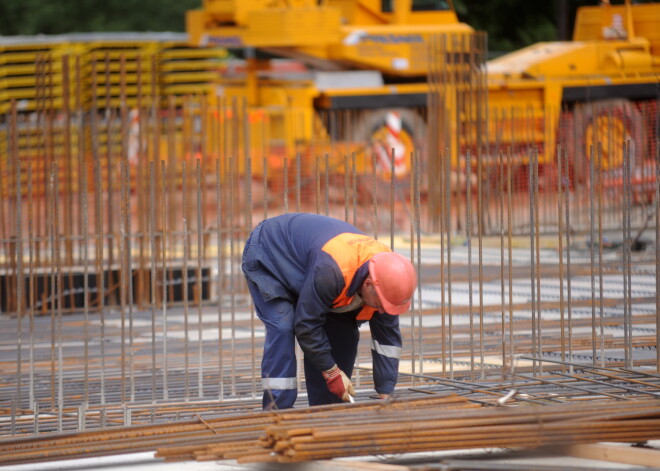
pixel 389 351
pixel 279 383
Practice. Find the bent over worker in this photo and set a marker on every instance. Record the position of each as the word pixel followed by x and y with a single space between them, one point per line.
pixel 316 279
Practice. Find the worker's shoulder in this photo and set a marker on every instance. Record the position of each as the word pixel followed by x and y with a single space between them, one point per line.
pixel 328 275
pixel 315 226
pixel 318 220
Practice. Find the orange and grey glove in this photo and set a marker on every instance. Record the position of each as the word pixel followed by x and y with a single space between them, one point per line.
pixel 338 383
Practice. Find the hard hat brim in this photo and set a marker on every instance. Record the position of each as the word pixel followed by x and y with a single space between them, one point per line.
pixel 390 308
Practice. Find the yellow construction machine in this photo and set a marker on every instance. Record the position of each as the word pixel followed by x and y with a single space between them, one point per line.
pixel 590 94
pixel 331 70
pixel 368 71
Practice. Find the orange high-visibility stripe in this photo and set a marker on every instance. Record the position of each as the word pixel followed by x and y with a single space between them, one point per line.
pixel 343 249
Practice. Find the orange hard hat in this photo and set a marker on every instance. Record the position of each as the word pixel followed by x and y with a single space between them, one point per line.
pixel 394 280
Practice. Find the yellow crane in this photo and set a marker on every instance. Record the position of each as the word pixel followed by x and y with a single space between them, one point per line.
pixel 374 60
pixel 362 66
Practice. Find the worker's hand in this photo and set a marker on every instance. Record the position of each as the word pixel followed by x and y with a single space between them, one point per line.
pixel 384 396
pixel 338 383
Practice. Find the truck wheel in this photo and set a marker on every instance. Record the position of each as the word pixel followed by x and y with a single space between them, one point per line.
pixel 609 123
pixel 383 130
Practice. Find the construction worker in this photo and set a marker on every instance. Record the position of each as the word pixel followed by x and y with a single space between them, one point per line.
pixel 316 279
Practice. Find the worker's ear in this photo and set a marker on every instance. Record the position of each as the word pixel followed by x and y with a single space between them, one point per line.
pixel 368 282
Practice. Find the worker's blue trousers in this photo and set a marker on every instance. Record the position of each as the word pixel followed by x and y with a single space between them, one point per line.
pixel 278 365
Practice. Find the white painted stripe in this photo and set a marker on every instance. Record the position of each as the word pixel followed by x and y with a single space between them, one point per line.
pixel 386 350
pixel 279 383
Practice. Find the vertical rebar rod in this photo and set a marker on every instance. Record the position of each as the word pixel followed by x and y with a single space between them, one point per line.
pixel 433 138
pixel 443 248
pixel 52 278
pixel 468 235
pixel 537 254
pixel 567 227
pixel 19 282
pixel 129 280
pixel 657 254
pixel 110 179
pixel 137 155
pixel 285 184
pixel 68 170
pixel 42 206
pixel 199 297
pixel 164 250
pixel 298 180
pixel 83 222
pixel 509 215
pixel 99 270
pixel 317 183
pixel 52 281
pixel 4 226
pixel 532 253
pixel 171 190
pixel 560 251
pixel 374 196
pixel 502 251
pixel 220 280
pixel 31 286
pixel 123 235
pixel 327 184
pixel 480 255
pixel 232 281
pixel 627 271
pixel 184 277
pixel 414 328
pixel 625 246
pixel 347 176
pixel 600 254
pixel 151 208
pixel 417 236
pixel 448 229
pixel 248 227
pixel 14 242
pixel 57 296
pixel 35 412
pixel 592 253
pixel 392 189
pixel 354 173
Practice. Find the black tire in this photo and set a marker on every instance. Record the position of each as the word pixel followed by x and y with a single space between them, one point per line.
pixel 371 129
pixel 608 123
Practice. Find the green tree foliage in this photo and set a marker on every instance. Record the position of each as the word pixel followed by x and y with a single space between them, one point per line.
pixel 510 24
pixel 513 24
pixel 29 17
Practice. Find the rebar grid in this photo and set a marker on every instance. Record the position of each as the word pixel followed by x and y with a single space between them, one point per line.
pixel 122 229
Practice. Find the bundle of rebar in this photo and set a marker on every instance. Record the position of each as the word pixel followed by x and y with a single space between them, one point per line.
pixel 444 423
pixel 427 426
pixel 439 422
pixel 262 447
pixel 237 434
